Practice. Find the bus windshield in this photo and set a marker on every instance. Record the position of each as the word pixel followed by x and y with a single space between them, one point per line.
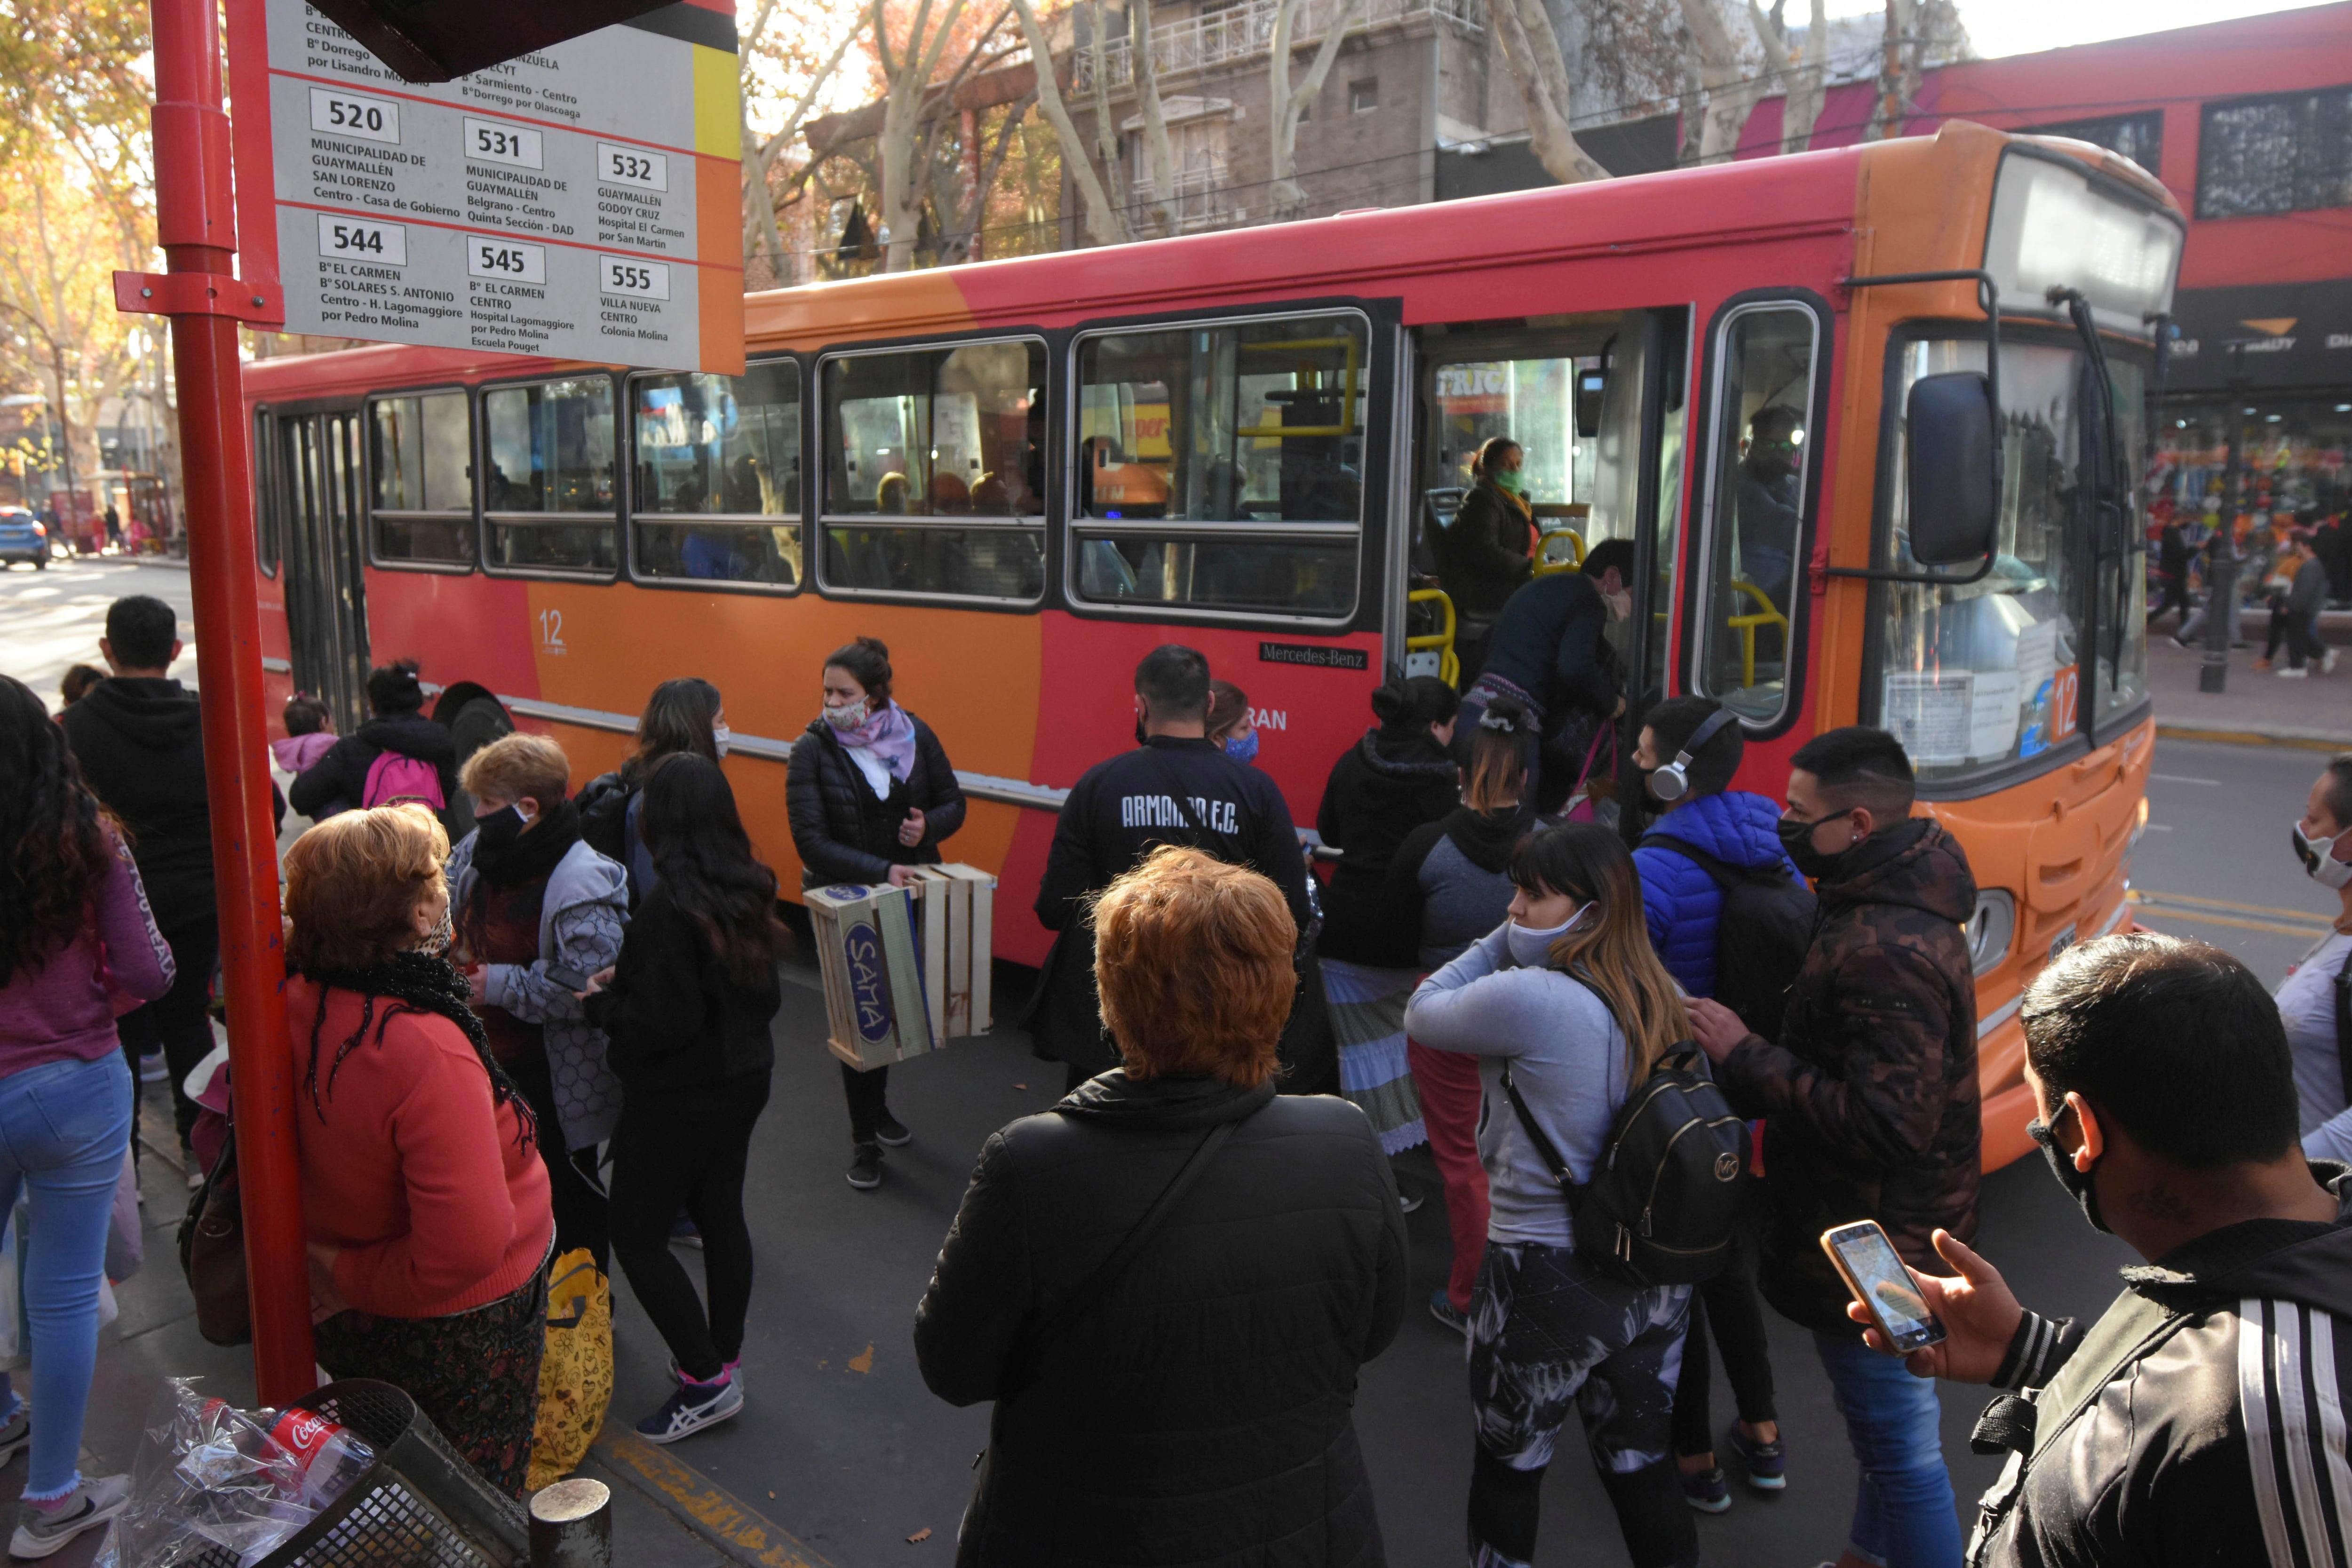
pixel 1973 676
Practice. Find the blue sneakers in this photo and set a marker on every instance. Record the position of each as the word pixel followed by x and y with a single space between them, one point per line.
pixel 1441 1308
pixel 1707 1491
pixel 694 1407
pixel 1765 1464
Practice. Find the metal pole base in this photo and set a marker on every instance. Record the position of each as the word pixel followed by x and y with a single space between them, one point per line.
pixel 572 1525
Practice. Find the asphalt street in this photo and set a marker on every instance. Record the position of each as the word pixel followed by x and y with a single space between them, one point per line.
pixel 841 1455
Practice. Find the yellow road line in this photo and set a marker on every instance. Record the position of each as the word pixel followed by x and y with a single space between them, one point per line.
pixel 2248 738
pixel 2142 895
pixel 715 1509
pixel 2195 917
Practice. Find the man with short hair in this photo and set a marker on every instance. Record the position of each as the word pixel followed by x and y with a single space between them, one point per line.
pixel 1177 788
pixel 138 737
pixel 1710 833
pixel 1769 502
pixel 2201 1419
pixel 1870 1104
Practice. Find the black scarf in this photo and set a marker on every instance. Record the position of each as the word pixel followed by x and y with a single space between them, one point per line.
pixel 414 983
pixel 507 854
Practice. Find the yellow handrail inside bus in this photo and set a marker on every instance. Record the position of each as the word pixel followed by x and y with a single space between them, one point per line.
pixel 1546 564
pixel 1449 669
pixel 1347 426
pixel 1770 615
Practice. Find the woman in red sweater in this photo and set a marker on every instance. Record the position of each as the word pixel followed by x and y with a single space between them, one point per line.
pixel 424 1200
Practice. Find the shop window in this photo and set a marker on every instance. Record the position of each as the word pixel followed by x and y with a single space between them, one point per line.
pixel 420 453
pixel 934 478
pixel 2288 154
pixel 548 493
pixel 1222 466
pixel 717 493
pixel 1750 585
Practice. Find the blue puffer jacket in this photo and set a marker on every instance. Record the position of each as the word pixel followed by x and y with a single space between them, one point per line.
pixel 1681 900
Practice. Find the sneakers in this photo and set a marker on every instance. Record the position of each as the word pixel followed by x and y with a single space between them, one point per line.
pixel 732 1370
pixel 1707 1491
pixel 1408 1201
pixel 1765 1464
pixel 866 1167
pixel 41 1531
pixel 1441 1308
pixel 2262 663
pixel 17 1433
pixel 152 1068
pixel 2292 672
pixel 889 1131
pixel 2328 662
pixel 683 1234
pixel 694 1407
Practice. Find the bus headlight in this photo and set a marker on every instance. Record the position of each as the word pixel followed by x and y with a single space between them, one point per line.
pixel 2139 826
pixel 1989 929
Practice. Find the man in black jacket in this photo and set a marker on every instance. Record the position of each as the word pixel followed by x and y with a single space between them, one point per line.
pixel 138 737
pixel 1178 787
pixel 2201 1419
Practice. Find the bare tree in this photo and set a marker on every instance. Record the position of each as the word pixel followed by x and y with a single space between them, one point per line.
pixel 1918 31
pixel 1531 47
pixel 1290 100
pixel 1802 71
pixel 911 119
pixel 1159 194
pixel 1106 225
pixel 761 237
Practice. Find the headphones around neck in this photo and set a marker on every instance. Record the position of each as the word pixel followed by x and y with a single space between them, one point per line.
pixel 1672 782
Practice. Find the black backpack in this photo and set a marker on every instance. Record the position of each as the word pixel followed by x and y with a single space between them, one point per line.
pixel 1761 940
pixel 1664 1198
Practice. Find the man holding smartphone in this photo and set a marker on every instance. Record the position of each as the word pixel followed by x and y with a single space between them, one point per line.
pixel 2201 1418
pixel 1869 1106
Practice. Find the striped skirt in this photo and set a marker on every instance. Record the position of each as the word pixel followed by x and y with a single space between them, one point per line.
pixel 1368 1020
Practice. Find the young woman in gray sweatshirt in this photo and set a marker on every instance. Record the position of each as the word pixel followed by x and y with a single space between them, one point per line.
pixel 1569 999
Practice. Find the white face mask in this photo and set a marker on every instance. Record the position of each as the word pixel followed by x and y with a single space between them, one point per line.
pixel 1531 949
pixel 2319 861
pixel 719 736
pixel 845 715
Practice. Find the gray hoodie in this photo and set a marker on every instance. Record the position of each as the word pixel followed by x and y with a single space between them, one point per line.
pixel 580 925
pixel 1567 1058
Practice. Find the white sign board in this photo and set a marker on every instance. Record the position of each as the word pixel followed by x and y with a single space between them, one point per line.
pixel 581 202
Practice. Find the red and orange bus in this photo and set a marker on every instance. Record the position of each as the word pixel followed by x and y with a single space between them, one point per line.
pixel 1025 474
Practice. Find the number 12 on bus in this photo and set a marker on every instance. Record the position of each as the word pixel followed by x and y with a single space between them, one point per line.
pixel 1773 380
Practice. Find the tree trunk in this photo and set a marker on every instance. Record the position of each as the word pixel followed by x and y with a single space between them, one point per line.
pixel 1102 218
pixel 1158 155
pixel 1107 132
pixel 1808 85
pixel 1530 49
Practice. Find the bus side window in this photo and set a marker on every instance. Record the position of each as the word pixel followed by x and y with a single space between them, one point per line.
pixel 1249 439
pixel 549 493
pixel 1755 540
pixel 718 480
pixel 421 505
pixel 934 472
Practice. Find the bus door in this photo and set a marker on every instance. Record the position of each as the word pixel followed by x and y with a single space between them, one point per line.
pixel 326 611
pixel 1594 402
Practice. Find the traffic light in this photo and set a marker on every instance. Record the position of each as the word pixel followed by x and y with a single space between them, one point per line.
pixel 433 40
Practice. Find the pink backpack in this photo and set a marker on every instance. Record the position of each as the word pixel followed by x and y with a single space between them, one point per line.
pixel 393 777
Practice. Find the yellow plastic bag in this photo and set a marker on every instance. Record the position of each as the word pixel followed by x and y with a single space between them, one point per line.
pixel 575 1380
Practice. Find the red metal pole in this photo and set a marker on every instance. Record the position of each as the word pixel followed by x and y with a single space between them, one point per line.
pixel 198 234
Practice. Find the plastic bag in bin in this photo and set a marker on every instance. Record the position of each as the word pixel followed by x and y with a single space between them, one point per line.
pixel 211 1476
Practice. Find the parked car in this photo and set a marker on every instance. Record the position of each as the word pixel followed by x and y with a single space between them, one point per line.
pixel 23 537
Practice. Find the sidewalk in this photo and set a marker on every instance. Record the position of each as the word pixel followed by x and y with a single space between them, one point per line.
pixel 2257 706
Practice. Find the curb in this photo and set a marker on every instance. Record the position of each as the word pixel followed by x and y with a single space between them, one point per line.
pixel 2306 742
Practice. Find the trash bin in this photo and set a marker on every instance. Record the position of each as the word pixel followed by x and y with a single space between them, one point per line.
pixel 418 1506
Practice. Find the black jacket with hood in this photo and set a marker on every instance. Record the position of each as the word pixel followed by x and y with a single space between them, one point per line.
pixel 341 773
pixel 673 1015
pixel 1201 1411
pixel 2199 1421
pixel 1870 1101
pixel 141 744
pixel 1449 885
pixel 1381 789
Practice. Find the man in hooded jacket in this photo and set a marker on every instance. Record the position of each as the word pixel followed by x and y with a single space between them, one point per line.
pixel 138 739
pixel 1870 1103
pixel 2201 1419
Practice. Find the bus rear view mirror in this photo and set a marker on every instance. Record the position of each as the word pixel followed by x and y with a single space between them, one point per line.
pixel 1953 487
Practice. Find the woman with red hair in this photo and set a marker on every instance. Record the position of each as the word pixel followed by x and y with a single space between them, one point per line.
pixel 1168 1282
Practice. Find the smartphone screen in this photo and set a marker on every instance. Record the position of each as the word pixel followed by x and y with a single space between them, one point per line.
pixel 1885 1287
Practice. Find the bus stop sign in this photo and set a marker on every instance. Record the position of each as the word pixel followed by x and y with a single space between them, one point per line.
pixel 433 40
pixel 579 201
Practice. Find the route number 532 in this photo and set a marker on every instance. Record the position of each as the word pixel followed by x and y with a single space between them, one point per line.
pixel 632 166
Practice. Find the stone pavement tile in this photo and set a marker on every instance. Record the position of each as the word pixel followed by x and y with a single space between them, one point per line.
pixel 2257 704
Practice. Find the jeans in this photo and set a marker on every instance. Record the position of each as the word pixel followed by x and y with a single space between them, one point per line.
pixel 687 1148
pixel 1448 1084
pixel 1903 1510
pixel 63 1128
pixel 177 1022
pixel 868 1095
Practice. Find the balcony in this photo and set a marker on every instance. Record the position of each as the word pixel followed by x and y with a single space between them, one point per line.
pixel 1238 32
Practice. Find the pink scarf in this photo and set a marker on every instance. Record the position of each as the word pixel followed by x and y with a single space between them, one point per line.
pixel 891 734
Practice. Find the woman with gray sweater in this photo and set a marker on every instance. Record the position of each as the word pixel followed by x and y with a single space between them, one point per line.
pixel 1567 1003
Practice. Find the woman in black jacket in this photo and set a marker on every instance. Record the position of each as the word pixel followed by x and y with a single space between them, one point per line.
pixel 400 727
pixel 687 1010
pixel 1488 550
pixel 870 795
pixel 685 717
pixel 1193 1401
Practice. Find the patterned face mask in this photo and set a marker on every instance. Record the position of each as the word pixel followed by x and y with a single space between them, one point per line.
pixel 435 942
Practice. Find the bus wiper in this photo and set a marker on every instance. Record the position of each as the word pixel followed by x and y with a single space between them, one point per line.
pixel 2108 533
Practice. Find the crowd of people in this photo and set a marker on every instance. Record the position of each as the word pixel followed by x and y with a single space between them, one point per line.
pixel 556 1032
pixel 2294 566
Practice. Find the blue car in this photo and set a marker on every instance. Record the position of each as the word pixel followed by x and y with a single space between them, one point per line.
pixel 23 537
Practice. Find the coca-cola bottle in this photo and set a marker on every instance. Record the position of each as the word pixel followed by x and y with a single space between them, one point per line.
pixel 332 1456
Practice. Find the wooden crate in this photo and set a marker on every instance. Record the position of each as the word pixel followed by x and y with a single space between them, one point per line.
pixel 956 921
pixel 865 941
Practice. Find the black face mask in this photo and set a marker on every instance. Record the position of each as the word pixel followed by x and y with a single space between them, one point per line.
pixel 1797 839
pixel 2061 1165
